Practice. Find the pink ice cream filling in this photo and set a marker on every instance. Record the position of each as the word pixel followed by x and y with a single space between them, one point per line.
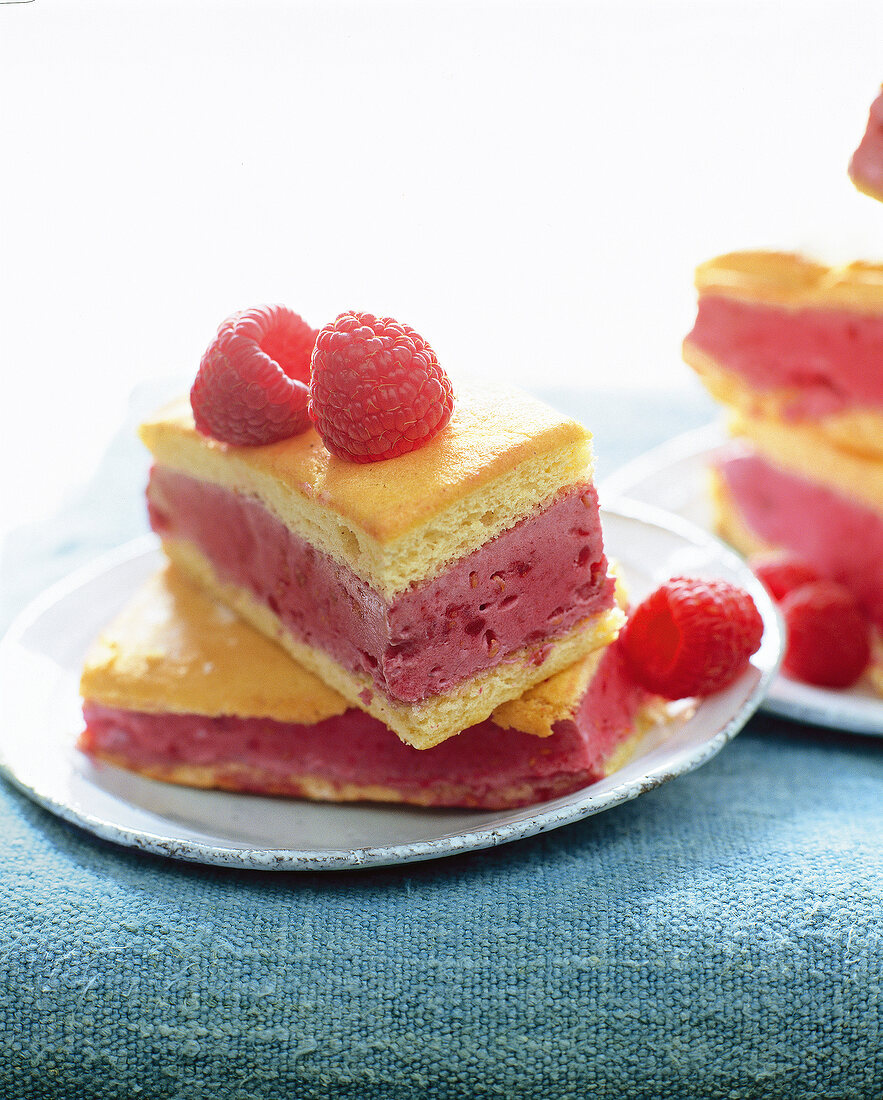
pixel 839 537
pixel 529 585
pixel 483 766
pixel 831 358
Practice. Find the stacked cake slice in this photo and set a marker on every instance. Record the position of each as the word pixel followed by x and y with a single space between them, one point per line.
pixel 436 629
pixel 794 349
pixel 179 688
pixel 426 590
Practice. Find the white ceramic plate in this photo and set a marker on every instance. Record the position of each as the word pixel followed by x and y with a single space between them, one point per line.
pixel 40 659
pixel 673 477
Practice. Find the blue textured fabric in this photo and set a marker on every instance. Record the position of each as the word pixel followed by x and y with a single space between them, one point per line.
pixel 718 937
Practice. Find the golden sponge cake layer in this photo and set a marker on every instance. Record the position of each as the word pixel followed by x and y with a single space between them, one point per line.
pixel 236 777
pixel 790 281
pixel 853 429
pixel 401 521
pixel 804 450
pixel 175 650
pixel 438 717
pixel 550 701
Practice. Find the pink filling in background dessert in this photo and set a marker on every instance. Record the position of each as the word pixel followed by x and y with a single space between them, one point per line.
pixel 431 636
pixel 775 506
pixel 478 767
pixel 831 358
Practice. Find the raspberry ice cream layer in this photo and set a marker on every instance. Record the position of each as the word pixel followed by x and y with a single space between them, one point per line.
pixel 829 358
pixel 535 581
pixel 841 538
pixel 354 756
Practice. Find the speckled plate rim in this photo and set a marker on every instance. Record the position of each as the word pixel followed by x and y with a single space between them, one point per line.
pixel 721 717
pixel 672 476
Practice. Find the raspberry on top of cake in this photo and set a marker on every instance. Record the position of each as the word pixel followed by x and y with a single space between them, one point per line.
pixel 427 589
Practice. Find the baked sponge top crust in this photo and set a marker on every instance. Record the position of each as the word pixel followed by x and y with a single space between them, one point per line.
pixel 404 520
pixel 173 649
pixel 789 281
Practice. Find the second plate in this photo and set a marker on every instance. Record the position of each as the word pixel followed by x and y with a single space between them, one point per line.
pixel 673 477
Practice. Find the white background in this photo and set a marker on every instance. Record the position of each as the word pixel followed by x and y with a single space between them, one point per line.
pixel 530 185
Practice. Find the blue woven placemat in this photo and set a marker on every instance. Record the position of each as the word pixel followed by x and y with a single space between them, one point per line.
pixel 718 937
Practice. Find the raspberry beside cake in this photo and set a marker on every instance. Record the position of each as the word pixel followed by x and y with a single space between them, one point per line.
pixel 427 589
pixel 180 689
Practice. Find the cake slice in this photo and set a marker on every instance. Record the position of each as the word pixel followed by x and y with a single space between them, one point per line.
pixel 866 165
pixel 794 350
pixel 780 337
pixel 427 589
pixel 180 689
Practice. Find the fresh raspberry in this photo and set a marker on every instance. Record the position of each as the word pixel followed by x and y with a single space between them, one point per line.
pixel 691 637
pixel 828 636
pixel 781 573
pixel 252 383
pixel 377 390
